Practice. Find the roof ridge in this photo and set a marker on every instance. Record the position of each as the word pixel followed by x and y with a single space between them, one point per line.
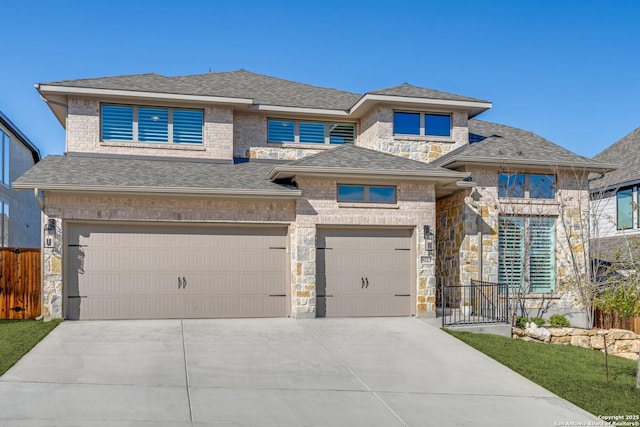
pixel 242 70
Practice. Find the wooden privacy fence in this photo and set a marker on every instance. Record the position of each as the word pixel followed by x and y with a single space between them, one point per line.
pixel 614 321
pixel 19 283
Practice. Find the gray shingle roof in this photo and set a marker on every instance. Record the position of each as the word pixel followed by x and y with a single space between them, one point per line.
pixel 625 153
pixel 242 84
pixel 123 172
pixel 409 90
pixel 353 160
pixel 500 144
pixel 618 249
pixel 352 157
pixel 232 84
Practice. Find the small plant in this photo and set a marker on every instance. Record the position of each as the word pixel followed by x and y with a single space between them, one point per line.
pixel 539 321
pixel 559 321
pixel 521 322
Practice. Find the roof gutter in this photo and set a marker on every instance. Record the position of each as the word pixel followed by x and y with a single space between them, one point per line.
pixel 218 192
pixel 70 90
pixel 284 171
pixel 479 105
pixel 542 163
pixel 35 153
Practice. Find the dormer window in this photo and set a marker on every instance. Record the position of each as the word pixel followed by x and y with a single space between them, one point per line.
pixel 151 124
pixel 422 124
pixel 308 132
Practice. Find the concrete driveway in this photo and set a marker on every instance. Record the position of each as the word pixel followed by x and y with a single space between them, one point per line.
pixel 268 372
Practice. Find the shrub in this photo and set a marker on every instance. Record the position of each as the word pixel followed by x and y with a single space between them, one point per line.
pixel 539 321
pixel 559 321
pixel 521 322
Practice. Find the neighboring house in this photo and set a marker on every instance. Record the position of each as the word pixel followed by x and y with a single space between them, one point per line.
pixel 614 203
pixel 19 210
pixel 241 195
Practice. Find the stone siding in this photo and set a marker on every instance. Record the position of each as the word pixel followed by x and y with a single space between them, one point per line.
pixel 570 208
pixel 619 342
pixel 319 207
pixel 83 135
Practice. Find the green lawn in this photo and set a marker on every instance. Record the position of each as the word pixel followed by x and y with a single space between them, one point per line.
pixel 17 337
pixel 573 373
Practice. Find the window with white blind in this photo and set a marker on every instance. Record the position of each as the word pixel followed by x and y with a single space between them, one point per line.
pixel 527 253
pixel 307 132
pixel 151 124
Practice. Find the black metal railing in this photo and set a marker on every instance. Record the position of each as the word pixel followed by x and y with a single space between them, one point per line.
pixel 476 303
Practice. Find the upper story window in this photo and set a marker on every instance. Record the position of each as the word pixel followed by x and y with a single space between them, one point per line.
pixel 5 146
pixel 306 132
pixel 528 186
pixel 424 124
pixel 366 193
pixel 151 124
pixel 624 208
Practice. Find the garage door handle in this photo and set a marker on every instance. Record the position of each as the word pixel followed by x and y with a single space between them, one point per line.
pixel 367 280
pixel 362 278
pixel 179 283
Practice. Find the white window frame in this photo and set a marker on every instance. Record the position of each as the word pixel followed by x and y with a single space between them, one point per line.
pixel 296 131
pixel 134 128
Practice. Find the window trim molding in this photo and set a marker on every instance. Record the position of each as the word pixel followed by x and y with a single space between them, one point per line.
pixel 135 141
pixel 306 144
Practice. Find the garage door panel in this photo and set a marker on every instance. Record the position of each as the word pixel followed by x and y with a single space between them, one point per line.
pixel 124 271
pixel 364 272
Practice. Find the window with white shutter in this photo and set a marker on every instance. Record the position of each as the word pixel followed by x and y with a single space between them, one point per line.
pixel 527 253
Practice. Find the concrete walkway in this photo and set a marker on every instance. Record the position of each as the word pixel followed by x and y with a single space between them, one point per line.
pixel 268 372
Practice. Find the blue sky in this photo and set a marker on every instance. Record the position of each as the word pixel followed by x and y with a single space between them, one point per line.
pixel 566 70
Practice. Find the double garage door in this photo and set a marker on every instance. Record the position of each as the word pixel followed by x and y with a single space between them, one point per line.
pixel 116 271
pixel 154 272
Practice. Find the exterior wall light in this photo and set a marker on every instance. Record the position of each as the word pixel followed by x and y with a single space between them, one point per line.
pixel 50 233
pixel 428 241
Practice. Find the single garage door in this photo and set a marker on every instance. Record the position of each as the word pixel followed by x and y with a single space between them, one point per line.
pixel 364 272
pixel 155 272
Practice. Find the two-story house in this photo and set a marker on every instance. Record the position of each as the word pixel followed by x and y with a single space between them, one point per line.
pixel 614 204
pixel 20 213
pixel 242 195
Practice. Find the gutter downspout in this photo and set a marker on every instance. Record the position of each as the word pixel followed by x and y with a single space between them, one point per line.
pixel 36 193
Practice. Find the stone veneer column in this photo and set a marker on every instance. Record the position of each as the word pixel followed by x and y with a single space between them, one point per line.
pixel 303 272
pixel 426 284
pixel 52 274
